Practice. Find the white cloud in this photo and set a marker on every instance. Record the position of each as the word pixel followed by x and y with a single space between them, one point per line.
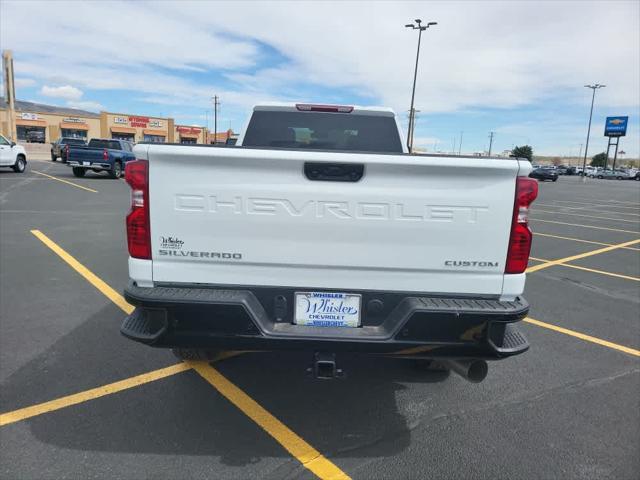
pixel 86 105
pixel 24 82
pixel 64 91
pixel 481 55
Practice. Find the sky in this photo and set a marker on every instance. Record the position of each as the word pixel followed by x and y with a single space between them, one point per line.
pixel 516 68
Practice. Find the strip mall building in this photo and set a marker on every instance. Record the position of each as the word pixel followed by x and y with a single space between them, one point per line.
pixel 57 122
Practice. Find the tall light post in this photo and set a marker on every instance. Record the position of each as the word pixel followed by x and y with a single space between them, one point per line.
pixel 417 26
pixel 586 147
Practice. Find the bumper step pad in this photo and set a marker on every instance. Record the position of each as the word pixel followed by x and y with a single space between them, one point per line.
pixel 144 325
pixel 512 342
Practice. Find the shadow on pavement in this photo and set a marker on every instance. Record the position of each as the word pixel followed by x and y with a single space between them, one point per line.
pixel 184 415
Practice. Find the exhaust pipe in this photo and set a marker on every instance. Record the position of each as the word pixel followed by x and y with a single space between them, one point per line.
pixel 474 371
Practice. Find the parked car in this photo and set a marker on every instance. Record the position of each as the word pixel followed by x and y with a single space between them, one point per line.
pixel 230 247
pixel 12 155
pixel 100 154
pixel 613 174
pixel 561 169
pixel 571 171
pixel 543 174
pixel 59 148
pixel 35 136
pixel 591 172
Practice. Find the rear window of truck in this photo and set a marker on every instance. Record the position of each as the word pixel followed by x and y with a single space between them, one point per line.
pixel 111 144
pixel 323 131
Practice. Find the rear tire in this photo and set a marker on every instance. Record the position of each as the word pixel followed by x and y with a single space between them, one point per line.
pixel 116 171
pixel 78 172
pixel 600 177
pixel 21 164
pixel 554 179
pixel 619 178
pixel 197 354
pixel 53 157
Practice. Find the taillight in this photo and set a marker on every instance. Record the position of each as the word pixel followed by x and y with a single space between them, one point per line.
pixel 136 174
pixel 306 107
pixel 105 155
pixel 520 239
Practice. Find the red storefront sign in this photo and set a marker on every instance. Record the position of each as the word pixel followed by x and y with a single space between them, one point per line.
pixel 139 121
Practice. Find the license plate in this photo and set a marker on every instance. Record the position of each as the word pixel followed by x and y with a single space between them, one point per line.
pixel 327 309
pixel 86 163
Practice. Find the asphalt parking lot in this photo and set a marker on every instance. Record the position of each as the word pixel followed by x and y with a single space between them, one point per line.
pixel 80 401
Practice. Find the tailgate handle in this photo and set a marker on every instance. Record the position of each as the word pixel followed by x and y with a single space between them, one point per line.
pixel 334 172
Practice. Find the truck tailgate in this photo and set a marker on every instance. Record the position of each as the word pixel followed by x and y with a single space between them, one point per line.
pixel 243 216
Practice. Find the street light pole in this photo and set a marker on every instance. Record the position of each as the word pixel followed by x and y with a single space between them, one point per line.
pixel 420 29
pixel 586 147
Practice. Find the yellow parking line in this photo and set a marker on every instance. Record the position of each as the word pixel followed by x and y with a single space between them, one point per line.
pixel 76 398
pixel 596 209
pixel 88 275
pixel 580 240
pixel 65 181
pixel 551 263
pixel 593 270
pixel 294 444
pixel 609 204
pixel 595 227
pixel 537 210
pixel 582 336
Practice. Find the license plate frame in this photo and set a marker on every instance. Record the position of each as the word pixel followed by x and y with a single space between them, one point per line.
pixel 327 309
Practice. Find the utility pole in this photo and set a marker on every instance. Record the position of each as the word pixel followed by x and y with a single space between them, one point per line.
pixel 215 118
pixel 412 121
pixel 420 29
pixel 460 149
pixel 586 147
pixel 580 154
pixel 491 134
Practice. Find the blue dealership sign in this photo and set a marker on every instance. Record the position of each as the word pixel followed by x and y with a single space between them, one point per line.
pixel 615 126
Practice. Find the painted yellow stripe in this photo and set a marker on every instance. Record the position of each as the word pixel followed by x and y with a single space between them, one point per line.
pixel 595 209
pixel 65 181
pixel 593 270
pixel 551 263
pixel 595 227
pixel 294 444
pixel 308 456
pixel 580 240
pixel 582 336
pixel 63 402
pixel 88 275
pixel 537 210
pixel 606 203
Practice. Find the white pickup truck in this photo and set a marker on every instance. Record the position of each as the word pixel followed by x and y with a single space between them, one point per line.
pixel 319 232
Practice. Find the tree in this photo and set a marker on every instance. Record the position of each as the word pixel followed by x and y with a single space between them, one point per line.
pixel 523 152
pixel 598 160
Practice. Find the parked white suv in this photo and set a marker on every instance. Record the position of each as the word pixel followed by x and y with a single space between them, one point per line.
pixel 12 155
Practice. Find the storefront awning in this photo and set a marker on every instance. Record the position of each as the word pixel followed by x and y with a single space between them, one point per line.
pixel 190 135
pixel 159 133
pixel 31 123
pixel 74 126
pixel 123 130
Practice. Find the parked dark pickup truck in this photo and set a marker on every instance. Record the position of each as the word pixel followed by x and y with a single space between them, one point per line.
pixel 101 154
pixel 59 148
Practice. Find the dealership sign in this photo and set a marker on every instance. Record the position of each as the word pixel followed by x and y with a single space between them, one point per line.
pixel 73 120
pixel 120 120
pixel 29 116
pixel 188 130
pixel 615 126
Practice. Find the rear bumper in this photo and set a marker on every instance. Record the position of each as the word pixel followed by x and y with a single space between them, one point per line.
pixel 92 165
pixel 260 318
